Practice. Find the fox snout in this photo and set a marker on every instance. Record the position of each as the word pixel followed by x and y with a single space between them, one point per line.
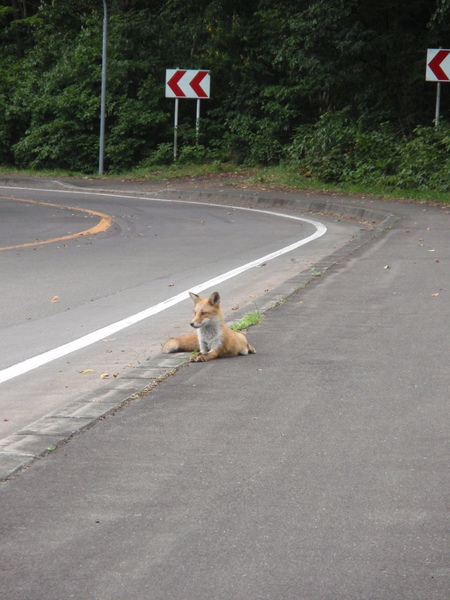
pixel 197 325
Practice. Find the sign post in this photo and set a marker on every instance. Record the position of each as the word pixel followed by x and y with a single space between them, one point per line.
pixel 175 131
pixel 186 83
pixel 438 69
pixel 437 112
pixel 197 122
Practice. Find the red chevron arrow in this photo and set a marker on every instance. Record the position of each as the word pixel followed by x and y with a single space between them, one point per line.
pixel 195 84
pixel 435 65
pixel 173 83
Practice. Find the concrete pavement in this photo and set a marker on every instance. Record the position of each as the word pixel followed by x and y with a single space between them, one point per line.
pixel 317 468
pixel 21 448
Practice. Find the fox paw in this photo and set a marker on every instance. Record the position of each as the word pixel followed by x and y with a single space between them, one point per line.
pixel 198 358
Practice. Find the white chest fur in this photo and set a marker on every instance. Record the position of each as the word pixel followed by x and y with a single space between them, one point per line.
pixel 210 336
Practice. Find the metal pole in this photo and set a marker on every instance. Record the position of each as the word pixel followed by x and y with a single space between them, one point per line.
pixel 175 131
pixel 103 96
pixel 197 122
pixel 438 104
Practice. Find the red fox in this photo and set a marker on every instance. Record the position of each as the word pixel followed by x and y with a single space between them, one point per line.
pixel 213 338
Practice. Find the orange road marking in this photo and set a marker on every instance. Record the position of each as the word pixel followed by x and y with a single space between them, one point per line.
pixel 104 224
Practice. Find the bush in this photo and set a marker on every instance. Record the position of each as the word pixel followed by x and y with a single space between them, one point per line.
pixel 252 141
pixel 163 155
pixel 323 150
pixel 57 145
pixel 424 161
pixel 337 150
pixel 196 155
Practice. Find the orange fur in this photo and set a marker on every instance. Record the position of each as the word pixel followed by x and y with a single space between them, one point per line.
pixel 214 339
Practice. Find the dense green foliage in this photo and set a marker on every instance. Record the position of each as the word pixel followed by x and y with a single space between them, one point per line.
pixel 335 86
pixel 339 150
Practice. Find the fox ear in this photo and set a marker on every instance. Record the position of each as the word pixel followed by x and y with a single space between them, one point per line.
pixel 194 297
pixel 214 298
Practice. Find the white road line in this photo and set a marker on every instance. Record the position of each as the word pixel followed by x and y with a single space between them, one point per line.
pixel 96 336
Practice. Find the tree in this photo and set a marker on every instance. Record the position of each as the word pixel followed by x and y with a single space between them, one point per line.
pixel 276 65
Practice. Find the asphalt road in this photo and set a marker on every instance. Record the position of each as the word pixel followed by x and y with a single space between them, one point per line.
pixel 315 469
pixel 74 261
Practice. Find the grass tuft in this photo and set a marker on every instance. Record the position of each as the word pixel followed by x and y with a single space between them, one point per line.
pixel 252 318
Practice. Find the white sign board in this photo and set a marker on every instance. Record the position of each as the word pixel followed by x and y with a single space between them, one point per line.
pixel 187 83
pixel 438 65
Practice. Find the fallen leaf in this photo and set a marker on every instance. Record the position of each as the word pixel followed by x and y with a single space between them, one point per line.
pixel 104 376
pixel 87 371
pixel 235 307
pixel 387 267
pixel 434 295
pixel 55 299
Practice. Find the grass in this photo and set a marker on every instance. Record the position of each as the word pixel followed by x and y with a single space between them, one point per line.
pixel 289 177
pixel 277 177
pixel 178 170
pixel 155 173
pixel 42 173
pixel 252 318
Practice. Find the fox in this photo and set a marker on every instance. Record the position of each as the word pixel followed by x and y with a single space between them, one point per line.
pixel 213 338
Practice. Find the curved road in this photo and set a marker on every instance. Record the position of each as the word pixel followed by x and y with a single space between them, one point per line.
pixel 317 468
pixel 93 283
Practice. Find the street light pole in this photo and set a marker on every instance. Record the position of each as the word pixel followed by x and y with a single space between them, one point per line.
pixel 103 95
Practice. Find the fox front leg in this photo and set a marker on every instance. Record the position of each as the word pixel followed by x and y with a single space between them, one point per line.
pixel 211 355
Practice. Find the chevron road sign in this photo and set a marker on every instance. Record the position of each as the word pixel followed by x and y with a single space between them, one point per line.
pixel 438 70
pixel 438 65
pixel 184 83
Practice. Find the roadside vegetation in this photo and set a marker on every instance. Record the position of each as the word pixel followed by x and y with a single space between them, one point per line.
pixel 284 176
pixel 321 94
pixel 253 318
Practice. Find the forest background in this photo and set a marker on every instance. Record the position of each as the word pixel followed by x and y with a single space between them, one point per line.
pixel 334 89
